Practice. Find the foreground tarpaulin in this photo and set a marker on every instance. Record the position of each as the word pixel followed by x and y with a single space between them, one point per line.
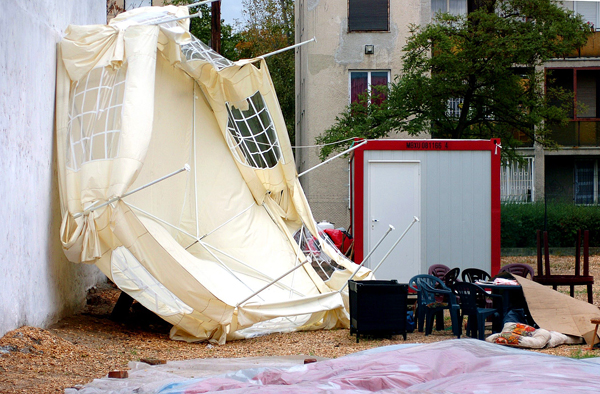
pixel 453 366
pixel 554 311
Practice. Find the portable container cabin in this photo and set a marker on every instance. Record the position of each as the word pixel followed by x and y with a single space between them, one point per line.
pixel 451 186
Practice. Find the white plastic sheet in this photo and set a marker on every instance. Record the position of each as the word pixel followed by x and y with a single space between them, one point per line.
pixel 453 366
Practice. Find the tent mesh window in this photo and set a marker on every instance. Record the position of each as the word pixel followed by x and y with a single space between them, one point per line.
pixel 252 137
pixel 197 50
pixel 95 108
pixel 311 247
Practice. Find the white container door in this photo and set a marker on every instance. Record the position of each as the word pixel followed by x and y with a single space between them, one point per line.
pixel 394 197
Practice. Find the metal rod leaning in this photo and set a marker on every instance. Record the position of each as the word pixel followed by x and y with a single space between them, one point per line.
pixel 286 48
pixel 332 158
pixel 93 207
pixel 390 229
pixel 415 219
pixel 273 282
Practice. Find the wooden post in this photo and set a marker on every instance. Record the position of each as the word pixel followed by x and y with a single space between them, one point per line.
pixel 539 253
pixel 215 14
pixel 578 253
pixel 586 253
pixel 546 255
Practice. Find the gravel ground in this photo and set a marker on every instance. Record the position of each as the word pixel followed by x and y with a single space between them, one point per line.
pixel 86 346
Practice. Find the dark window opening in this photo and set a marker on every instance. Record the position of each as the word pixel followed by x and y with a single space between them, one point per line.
pixel 368 15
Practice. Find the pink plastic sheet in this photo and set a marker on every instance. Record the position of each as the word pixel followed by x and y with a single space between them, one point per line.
pixel 453 366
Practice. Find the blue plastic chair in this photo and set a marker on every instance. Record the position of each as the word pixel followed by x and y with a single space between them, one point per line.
pixel 433 296
pixel 470 298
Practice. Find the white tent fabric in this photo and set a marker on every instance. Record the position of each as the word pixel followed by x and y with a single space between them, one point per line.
pixel 141 98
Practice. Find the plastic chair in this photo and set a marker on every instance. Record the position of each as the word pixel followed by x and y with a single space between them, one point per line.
pixel 518 269
pixel 469 296
pixel 472 275
pixel 428 289
pixel 451 277
pixel 438 270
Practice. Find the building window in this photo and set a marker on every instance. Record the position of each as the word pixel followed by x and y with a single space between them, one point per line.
pixel 368 15
pixel 251 133
pixel 517 181
pixel 583 82
pixel 131 4
pixel 366 82
pixel 590 11
pixel 454 7
pixel 585 185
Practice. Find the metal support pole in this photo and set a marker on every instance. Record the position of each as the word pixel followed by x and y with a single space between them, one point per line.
pixel 272 282
pixel 286 48
pixel 415 219
pixel 93 207
pixel 392 228
pixel 332 158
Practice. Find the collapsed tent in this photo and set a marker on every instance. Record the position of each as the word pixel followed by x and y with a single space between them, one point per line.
pixel 224 250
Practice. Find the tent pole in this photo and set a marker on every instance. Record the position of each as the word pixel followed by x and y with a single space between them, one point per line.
pixel 206 246
pixel 332 158
pixel 415 219
pixel 200 3
pixel 390 229
pixel 273 282
pixel 111 200
pixel 285 49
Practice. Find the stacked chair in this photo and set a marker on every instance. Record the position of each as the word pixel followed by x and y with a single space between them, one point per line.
pixel 473 301
pixel 523 270
pixel 433 297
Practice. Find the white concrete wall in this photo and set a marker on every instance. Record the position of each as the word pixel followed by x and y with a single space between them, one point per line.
pixel 37 284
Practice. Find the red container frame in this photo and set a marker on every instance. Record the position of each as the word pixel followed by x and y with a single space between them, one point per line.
pixel 358 183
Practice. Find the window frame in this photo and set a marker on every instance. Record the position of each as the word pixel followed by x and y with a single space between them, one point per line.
pixel 595 181
pixel 575 118
pixel 596 23
pixel 369 78
pixel 350 30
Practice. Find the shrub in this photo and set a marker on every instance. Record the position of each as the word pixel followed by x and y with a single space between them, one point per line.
pixel 520 222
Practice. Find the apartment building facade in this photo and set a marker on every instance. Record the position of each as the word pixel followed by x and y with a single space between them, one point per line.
pixel 360 44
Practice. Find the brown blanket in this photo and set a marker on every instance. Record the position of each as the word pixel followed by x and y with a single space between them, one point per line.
pixel 555 311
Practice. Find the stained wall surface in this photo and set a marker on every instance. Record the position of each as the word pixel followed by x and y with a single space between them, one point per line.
pixel 37 283
pixel 322 86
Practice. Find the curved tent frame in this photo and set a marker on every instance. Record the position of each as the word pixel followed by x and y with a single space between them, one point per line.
pixel 225 250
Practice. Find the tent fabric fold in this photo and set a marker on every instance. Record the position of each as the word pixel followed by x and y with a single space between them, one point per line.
pixel 141 98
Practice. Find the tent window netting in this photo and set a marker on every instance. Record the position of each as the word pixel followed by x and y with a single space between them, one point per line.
pixel 252 137
pixel 95 109
pixel 197 50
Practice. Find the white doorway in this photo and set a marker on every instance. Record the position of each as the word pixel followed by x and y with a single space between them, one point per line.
pixel 394 197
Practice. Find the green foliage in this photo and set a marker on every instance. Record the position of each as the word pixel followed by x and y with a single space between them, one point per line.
pixel 491 60
pixel 269 26
pixel 520 222
pixel 201 28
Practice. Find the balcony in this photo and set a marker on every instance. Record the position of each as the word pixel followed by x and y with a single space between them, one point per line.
pixel 578 133
pixel 591 49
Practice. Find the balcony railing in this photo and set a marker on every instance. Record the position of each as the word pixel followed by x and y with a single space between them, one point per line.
pixel 591 49
pixel 578 133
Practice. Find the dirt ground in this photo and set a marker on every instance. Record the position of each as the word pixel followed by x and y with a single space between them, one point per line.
pixel 86 346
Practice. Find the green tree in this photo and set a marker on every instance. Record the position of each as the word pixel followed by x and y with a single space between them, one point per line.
pixel 488 63
pixel 269 26
pixel 201 28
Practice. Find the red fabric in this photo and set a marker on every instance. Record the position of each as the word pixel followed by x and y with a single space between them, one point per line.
pixel 340 240
pixel 358 85
pixel 377 96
